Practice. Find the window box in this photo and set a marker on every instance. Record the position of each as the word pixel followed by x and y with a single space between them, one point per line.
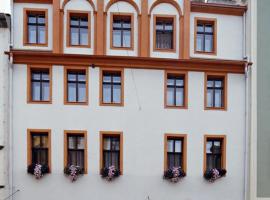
pixel 38 170
pixel 212 175
pixel 110 173
pixel 73 172
pixel 174 174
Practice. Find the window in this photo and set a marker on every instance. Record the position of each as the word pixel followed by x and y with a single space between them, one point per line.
pixel 175 90
pixel 175 151
pixel 78 32
pixel 111 87
pixel 36 27
pixel 39 147
pixel 215 152
pixel 122 30
pixel 39 84
pixel 76 91
pixel 111 150
pixel 216 91
pixel 205 35
pixel 76 149
pixel 164 32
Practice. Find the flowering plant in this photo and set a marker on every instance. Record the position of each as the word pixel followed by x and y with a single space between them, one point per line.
pixel 174 174
pixel 73 172
pixel 38 170
pixel 213 174
pixel 110 173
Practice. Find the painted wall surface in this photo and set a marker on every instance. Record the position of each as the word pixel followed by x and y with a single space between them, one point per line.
pixel 143 121
pixel 263 96
pixel 122 7
pixel 79 5
pixel 18 25
pixel 4 132
pixel 229 36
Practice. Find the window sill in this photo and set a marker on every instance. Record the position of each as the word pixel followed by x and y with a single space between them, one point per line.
pixel 217 109
pixel 213 53
pixel 165 50
pixel 35 44
pixel 122 48
pixel 76 103
pixel 79 46
pixel 175 107
pixel 112 104
pixel 39 102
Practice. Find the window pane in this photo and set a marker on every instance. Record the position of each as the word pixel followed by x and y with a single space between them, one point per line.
pixel 36 141
pixel 45 76
pixel 216 147
pixel 74 36
pixel 199 42
pixel 218 98
pixel 74 21
pixel 209 29
pixel 84 36
pixel 180 82
pixel 218 83
pixel 170 82
pixel 115 144
pixel 71 77
pixel 80 143
pixel 107 79
pixel 81 77
pixel 179 96
pixel 126 24
pixel 32 19
pixel 41 20
pixel 117 79
pixel 178 146
pixel 170 146
pixel 170 96
pixel 159 26
pixel 107 144
pixel 170 160
pixel 84 22
pixel 82 92
pixel 44 141
pixel 107 159
pixel 106 93
pixel 169 27
pixel 200 28
pixel 36 91
pixel 210 98
pixel 45 91
pixel 126 38
pixel 210 83
pixel 32 33
pixel 210 162
pixel 164 40
pixel 115 159
pixel 117 94
pixel 71 92
pixel 41 35
pixel 71 142
pixel 35 75
pixel 116 24
pixel 208 43
pixel 208 147
pixel 116 38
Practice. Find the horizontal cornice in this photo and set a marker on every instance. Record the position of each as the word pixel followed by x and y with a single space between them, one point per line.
pixel 193 64
pixel 216 8
pixel 34 1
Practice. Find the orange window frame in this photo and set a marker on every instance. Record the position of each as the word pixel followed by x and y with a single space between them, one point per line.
pixel 110 133
pixel 225 90
pixel 182 137
pixel 26 12
pixel 76 132
pixel 205 21
pixel 68 36
pixel 176 73
pixel 31 68
pixel 29 145
pixel 102 70
pixel 75 69
pixel 131 15
pixel 164 17
pixel 223 138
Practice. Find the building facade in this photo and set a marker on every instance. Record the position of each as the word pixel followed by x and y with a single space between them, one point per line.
pixel 133 89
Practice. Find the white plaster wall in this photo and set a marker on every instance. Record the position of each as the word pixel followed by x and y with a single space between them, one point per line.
pixel 229 36
pixel 18 25
pixel 122 7
pixel 138 2
pixel 143 121
pixel 164 9
pixel 180 2
pixel 94 2
pixel 80 5
pixel 4 105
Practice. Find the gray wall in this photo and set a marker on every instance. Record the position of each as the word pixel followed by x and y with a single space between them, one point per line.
pixel 263 185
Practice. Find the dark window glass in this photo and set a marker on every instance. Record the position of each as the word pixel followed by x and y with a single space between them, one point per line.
pixel 79 30
pixel 174 153
pixel 175 90
pixel 205 37
pixel 76 86
pixel 36 28
pixel 111 87
pixel 121 31
pixel 76 150
pixel 213 154
pixel 215 92
pixel 164 33
pixel 40 85
pixel 40 149
pixel 111 151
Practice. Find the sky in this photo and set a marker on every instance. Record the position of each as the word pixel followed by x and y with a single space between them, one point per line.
pixel 5 6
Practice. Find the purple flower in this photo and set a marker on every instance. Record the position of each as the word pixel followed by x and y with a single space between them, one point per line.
pixel 37 171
